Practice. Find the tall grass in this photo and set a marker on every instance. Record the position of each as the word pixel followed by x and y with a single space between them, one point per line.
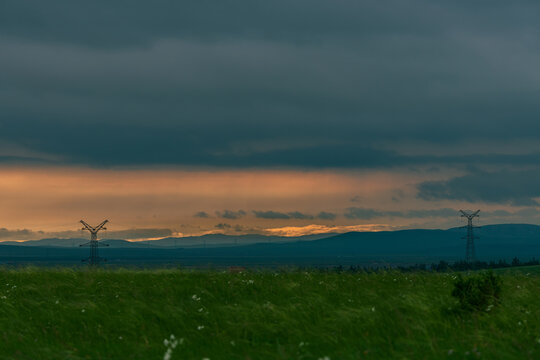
pixel 127 314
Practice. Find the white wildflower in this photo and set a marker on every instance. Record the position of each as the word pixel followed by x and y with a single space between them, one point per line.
pixel 373 309
pixel 167 355
pixel 83 310
pixel 170 343
pixel 200 327
pixel 195 297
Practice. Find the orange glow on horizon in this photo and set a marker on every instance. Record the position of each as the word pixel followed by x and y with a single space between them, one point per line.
pixel 290 231
pixel 50 201
pixel 56 198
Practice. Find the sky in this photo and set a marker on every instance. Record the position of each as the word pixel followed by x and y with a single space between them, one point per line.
pixel 273 117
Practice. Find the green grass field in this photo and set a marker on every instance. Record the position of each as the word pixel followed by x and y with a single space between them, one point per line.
pixel 527 270
pixel 127 314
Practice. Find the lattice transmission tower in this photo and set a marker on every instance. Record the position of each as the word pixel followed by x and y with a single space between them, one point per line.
pixel 94 258
pixel 470 253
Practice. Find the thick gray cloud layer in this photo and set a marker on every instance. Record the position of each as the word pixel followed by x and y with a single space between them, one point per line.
pixel 266 83
pixel 270 214
pixel 368 213
pixel 511 187
pixel 326 215
pixel 202 214
pixel 231 214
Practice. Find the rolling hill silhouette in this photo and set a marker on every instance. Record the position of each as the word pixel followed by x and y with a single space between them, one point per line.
pixel 503 241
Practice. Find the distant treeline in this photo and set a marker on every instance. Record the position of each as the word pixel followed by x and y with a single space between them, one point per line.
pixel 479 265
pixel 444 266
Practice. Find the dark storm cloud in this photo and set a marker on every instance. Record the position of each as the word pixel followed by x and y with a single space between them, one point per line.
pixel 363 213
pixel 270 215
pixel 506 187
pixel 368 213
pixel 222 226
pixel 230 214
pixel 115 25
pixel 202 214
pixel 291 215
pixel 323 215
pixel 299 215
pixel 275 83
pixel 523 213
pixel 445 212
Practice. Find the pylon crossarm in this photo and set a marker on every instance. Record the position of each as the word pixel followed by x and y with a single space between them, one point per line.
pixel 101 226
pixel 87 227
pixel 471 215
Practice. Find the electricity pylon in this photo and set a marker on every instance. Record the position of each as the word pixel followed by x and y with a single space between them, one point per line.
pixel 470 254
pixel 94 258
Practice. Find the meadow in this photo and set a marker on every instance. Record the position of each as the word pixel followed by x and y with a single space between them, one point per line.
pixel 177 314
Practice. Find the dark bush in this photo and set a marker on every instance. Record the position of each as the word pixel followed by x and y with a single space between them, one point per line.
pixel 478 292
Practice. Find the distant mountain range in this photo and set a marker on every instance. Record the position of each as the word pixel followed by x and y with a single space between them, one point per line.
pixel 495 242
pixel 210 240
